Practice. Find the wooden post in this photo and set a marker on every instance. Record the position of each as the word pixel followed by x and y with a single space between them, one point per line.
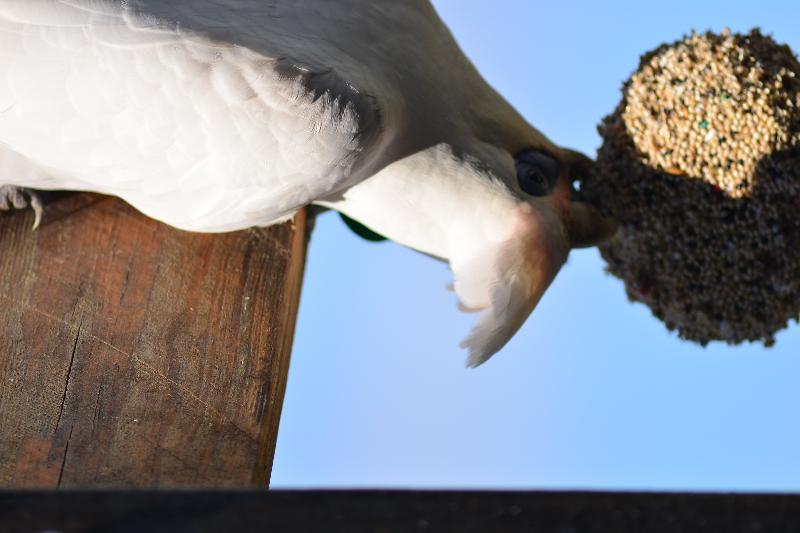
pixel 133 354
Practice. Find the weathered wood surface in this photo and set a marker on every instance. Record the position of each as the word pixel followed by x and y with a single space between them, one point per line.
pixel 403 512
pixel 133 354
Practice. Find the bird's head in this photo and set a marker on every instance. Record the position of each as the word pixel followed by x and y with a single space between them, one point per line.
pixel 551 179
pixel 506 279
pixel 484 190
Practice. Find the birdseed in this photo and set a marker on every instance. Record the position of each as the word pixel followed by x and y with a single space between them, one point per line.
pixel 700 165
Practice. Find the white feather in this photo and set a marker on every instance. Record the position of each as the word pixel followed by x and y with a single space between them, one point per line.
pixel 503 253
pixel 216 115
pixel 509 279
pixel 135 99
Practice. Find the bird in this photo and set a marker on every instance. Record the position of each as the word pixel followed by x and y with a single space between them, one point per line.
pixel 220 115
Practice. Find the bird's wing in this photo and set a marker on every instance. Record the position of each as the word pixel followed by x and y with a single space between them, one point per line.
pixel 208 115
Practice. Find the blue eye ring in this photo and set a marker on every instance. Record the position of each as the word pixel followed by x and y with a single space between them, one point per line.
pixel 537 172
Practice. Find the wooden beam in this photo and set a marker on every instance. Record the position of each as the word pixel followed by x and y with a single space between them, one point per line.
pixel 133 354
pixel 388 511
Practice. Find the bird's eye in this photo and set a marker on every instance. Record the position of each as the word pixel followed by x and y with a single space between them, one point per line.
pixel 537 172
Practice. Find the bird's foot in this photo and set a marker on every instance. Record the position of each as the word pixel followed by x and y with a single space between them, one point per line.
pixel 12 197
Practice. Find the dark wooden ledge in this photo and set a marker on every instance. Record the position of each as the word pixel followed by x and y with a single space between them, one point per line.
pixel 385 512
pixel 136 355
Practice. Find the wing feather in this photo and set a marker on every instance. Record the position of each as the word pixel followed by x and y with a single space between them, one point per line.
pixel 161 104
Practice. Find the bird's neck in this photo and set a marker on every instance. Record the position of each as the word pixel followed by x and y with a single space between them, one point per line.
pixel 443 214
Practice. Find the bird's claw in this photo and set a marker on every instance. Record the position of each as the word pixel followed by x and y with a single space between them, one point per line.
pixel 12 197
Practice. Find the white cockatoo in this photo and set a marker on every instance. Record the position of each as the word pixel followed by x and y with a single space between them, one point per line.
pixel 218 115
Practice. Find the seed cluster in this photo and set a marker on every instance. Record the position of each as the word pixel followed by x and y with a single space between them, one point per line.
pixel 700 166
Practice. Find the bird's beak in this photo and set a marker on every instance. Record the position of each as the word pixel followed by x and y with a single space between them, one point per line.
pixel 587 226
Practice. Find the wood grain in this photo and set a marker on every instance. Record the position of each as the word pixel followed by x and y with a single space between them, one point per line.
pixel 133 354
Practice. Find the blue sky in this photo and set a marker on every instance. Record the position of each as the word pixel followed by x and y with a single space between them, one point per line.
pixel 593 392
